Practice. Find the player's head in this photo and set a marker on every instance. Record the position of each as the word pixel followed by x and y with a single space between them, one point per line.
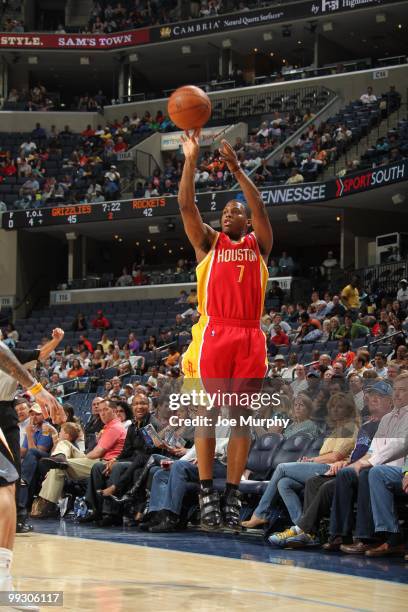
pixel 234 219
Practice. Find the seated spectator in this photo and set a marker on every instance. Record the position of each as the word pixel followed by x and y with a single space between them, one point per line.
pixel 319 490
pixel 170 484
pixel 300 383
pixel 23 415
pixel 124 412
pixel 345 353
pixel 286 264
pixel 119 474
pixel 100 322
pixel 301 422
pixel 76 370
pixel 97 361
pixel 336 447
pixel 351 330
pixel 192 298
pixel 37 444
pixel 274 269
pixel 66 458
pixel 173 358
pixel 278 369
pixel 295 177
pixel 279 337
pixel 93 426
pixel 369 97
pixel 79 323
pixel 352 482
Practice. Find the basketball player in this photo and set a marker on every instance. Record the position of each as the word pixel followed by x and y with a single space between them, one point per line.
pixel 228 343
pixel 8 473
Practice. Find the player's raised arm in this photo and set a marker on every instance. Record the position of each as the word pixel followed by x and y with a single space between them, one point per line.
pixel 11 366
pixel 200 235
pixel 259 216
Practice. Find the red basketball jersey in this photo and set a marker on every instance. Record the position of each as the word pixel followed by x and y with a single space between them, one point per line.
pixel 231 279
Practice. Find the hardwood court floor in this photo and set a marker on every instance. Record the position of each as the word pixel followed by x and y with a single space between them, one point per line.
pixel 116 577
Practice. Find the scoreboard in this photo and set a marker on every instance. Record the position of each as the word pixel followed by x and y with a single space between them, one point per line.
pixel 73 214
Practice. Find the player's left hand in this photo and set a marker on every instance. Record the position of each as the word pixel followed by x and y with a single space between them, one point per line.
pixel 229 156
pixel 50 407
pixel 58 334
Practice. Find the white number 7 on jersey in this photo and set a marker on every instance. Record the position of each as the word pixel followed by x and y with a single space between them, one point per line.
pixel 241 273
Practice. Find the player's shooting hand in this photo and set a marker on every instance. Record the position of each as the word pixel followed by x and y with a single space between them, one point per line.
pixel 191 145
pixel 229 156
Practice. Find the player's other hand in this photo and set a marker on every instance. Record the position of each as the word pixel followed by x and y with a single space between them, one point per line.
pixel 58 334
pixel 229 156
pixel 191 145
pixel 50 407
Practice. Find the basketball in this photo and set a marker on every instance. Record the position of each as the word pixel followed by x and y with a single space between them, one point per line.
pixel 189 107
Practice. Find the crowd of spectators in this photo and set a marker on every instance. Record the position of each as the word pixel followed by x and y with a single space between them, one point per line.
pixel 60 166
pixel 35 99
pixel 338 391
pixel 109 17
pixel 89 174
pixel 212 173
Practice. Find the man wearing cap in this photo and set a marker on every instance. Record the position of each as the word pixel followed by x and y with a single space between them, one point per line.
pixel 319 490
pixel 402 294
pixel 279 366
pixel 313 384
pixel 385 482
pixel 37 444
pixel 389 446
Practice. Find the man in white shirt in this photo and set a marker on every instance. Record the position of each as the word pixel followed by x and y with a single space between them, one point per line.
pixel 388 447
pixel 402 294
pixel 380 362
pixel 356 387
pixel 23 414
pixel 300 383
pixel 368 97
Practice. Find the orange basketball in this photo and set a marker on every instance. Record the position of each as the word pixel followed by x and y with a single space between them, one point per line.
pixel 189 107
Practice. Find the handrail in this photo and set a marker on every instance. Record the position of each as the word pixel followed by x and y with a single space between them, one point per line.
pixel 380 340
pixel 295 134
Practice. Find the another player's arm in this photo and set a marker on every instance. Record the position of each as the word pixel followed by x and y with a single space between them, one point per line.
pixel 199 233
pixel 11 366
pixel 49 347
pixel 259 216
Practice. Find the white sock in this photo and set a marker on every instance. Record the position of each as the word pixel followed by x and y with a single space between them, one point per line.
pixel 297 529
pixel 6 557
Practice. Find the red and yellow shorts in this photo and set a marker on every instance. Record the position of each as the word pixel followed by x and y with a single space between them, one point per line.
pixel 228 350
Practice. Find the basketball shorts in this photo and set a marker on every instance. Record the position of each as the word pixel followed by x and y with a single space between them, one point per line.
pixel 8 472
pixel 226 355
